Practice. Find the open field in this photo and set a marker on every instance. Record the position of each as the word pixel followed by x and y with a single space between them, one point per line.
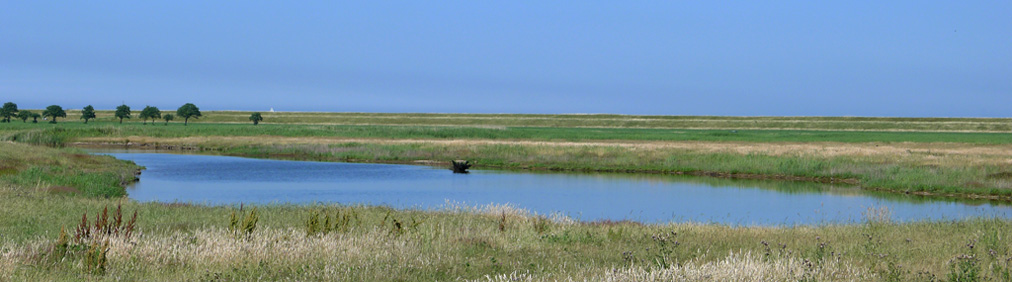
pixel 498 243
pixel 111 129
pixel 1002 125
pixel 49 189
pixel 958 164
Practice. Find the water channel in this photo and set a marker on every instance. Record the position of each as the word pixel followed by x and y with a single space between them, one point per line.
pixel 221 180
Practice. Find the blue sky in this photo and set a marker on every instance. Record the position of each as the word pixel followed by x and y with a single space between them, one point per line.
pixel 810 58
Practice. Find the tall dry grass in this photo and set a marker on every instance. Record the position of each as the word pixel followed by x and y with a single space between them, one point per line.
pixel 733 267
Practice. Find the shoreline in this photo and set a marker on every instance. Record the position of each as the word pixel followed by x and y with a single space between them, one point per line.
pixel 546 167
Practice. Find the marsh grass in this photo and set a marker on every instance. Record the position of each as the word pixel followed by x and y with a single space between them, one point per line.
pixel 56 135
pixel 88 249
pixel 953 174
pixel 974 166
pixel 104 226
pixel 46 137
pixel 243 224
pixel 184 241
pixel 960 164
pixel 469 243
pixel 82 174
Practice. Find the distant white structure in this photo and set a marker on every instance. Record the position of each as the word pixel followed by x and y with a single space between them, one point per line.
pixel 272 109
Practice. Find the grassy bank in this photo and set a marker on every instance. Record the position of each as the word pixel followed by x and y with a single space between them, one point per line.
pixel 64 171
pixel 956 170
pixel 498 243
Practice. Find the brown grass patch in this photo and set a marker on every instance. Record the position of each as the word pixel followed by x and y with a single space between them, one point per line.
pixel 4 170
pixel 176 205
pixel 1000 175
pixel 477 242
pixel 62 190
pixel 825 149
pixel 975 184
pixel 83 158
pixel 611 223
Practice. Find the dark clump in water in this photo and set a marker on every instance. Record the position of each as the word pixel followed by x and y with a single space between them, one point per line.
pixel 460 166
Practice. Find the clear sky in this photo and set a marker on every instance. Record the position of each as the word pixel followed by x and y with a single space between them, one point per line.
pixel 845 58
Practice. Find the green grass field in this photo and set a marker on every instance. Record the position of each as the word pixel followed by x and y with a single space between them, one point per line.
pixel 48 189
pixel 958 164
pixel 942 163
pixel 113 129
pixel 498 243
pixel 1002 125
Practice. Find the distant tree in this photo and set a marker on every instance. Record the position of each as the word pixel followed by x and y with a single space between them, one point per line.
pixel 188 111
pixel 256 118
pixel 167 118
pixel 9 110
pixel 35 117
pixel 122 112
pixel 150 112
pixel 54 112
pixel 88 113
pixel 24 115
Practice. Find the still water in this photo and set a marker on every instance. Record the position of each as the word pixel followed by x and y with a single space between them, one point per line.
pixel 217 180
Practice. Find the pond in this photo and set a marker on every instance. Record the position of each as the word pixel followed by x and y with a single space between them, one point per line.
pixel 223 180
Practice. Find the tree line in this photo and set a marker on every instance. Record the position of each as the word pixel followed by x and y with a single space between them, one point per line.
pixel 186 112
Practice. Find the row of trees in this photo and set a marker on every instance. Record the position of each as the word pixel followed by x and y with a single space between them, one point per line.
pixel 10 110
pixel 186 112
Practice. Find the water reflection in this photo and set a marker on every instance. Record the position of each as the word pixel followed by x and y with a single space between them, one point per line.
pixel 788 187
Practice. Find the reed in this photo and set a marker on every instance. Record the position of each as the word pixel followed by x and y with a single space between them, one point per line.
pixel 469 244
